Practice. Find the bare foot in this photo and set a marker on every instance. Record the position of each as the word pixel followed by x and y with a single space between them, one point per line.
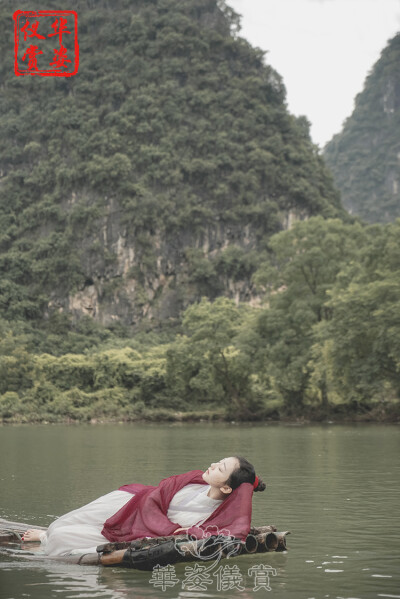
pixel 32 535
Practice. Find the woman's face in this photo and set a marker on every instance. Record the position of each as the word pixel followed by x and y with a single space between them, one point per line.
pixel 219 472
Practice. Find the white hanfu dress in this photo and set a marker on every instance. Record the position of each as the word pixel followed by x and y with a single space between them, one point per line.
pixel 79 531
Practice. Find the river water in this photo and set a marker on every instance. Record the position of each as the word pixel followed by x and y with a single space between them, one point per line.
pixel 335 487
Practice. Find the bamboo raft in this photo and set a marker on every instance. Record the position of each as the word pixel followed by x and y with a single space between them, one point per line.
pixel 144 554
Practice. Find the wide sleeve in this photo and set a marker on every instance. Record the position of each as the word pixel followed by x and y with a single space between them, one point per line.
pixel 145 515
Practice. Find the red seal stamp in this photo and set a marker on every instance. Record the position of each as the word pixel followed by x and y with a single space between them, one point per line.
pixel 46 43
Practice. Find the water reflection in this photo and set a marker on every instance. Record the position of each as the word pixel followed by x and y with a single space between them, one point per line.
pixel 50 579
pixel 47 578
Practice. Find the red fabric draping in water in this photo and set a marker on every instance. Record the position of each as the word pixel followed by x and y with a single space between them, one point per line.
pixel 145 515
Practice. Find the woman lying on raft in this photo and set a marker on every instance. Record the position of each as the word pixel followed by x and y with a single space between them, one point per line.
pixel 187 503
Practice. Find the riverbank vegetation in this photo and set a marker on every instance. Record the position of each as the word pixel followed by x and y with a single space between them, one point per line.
pixel 324 344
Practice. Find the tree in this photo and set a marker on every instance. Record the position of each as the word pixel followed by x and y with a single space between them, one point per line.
pixel 207 362
pixel 364 331
pixel 303 265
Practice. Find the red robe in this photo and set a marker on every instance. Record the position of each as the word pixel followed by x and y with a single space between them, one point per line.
pixel 145 515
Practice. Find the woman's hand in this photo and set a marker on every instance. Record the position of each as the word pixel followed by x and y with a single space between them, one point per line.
pixel 180 530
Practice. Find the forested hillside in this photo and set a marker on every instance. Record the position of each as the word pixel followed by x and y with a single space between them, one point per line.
pixel 154 175
pixel 365 156
pixel 171 243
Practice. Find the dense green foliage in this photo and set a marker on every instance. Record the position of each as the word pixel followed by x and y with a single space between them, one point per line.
pixel 172 125
pixel 326 342
pixel 364 157
pixel 331 332
pixel 173 128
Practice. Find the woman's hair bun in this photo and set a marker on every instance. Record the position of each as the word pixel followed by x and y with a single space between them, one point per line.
pixel 245 473
pixel 261 485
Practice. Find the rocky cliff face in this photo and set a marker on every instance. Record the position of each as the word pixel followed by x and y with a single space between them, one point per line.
pixel 128 289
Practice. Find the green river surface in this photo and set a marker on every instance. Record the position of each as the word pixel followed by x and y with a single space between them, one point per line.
pixel 335 487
